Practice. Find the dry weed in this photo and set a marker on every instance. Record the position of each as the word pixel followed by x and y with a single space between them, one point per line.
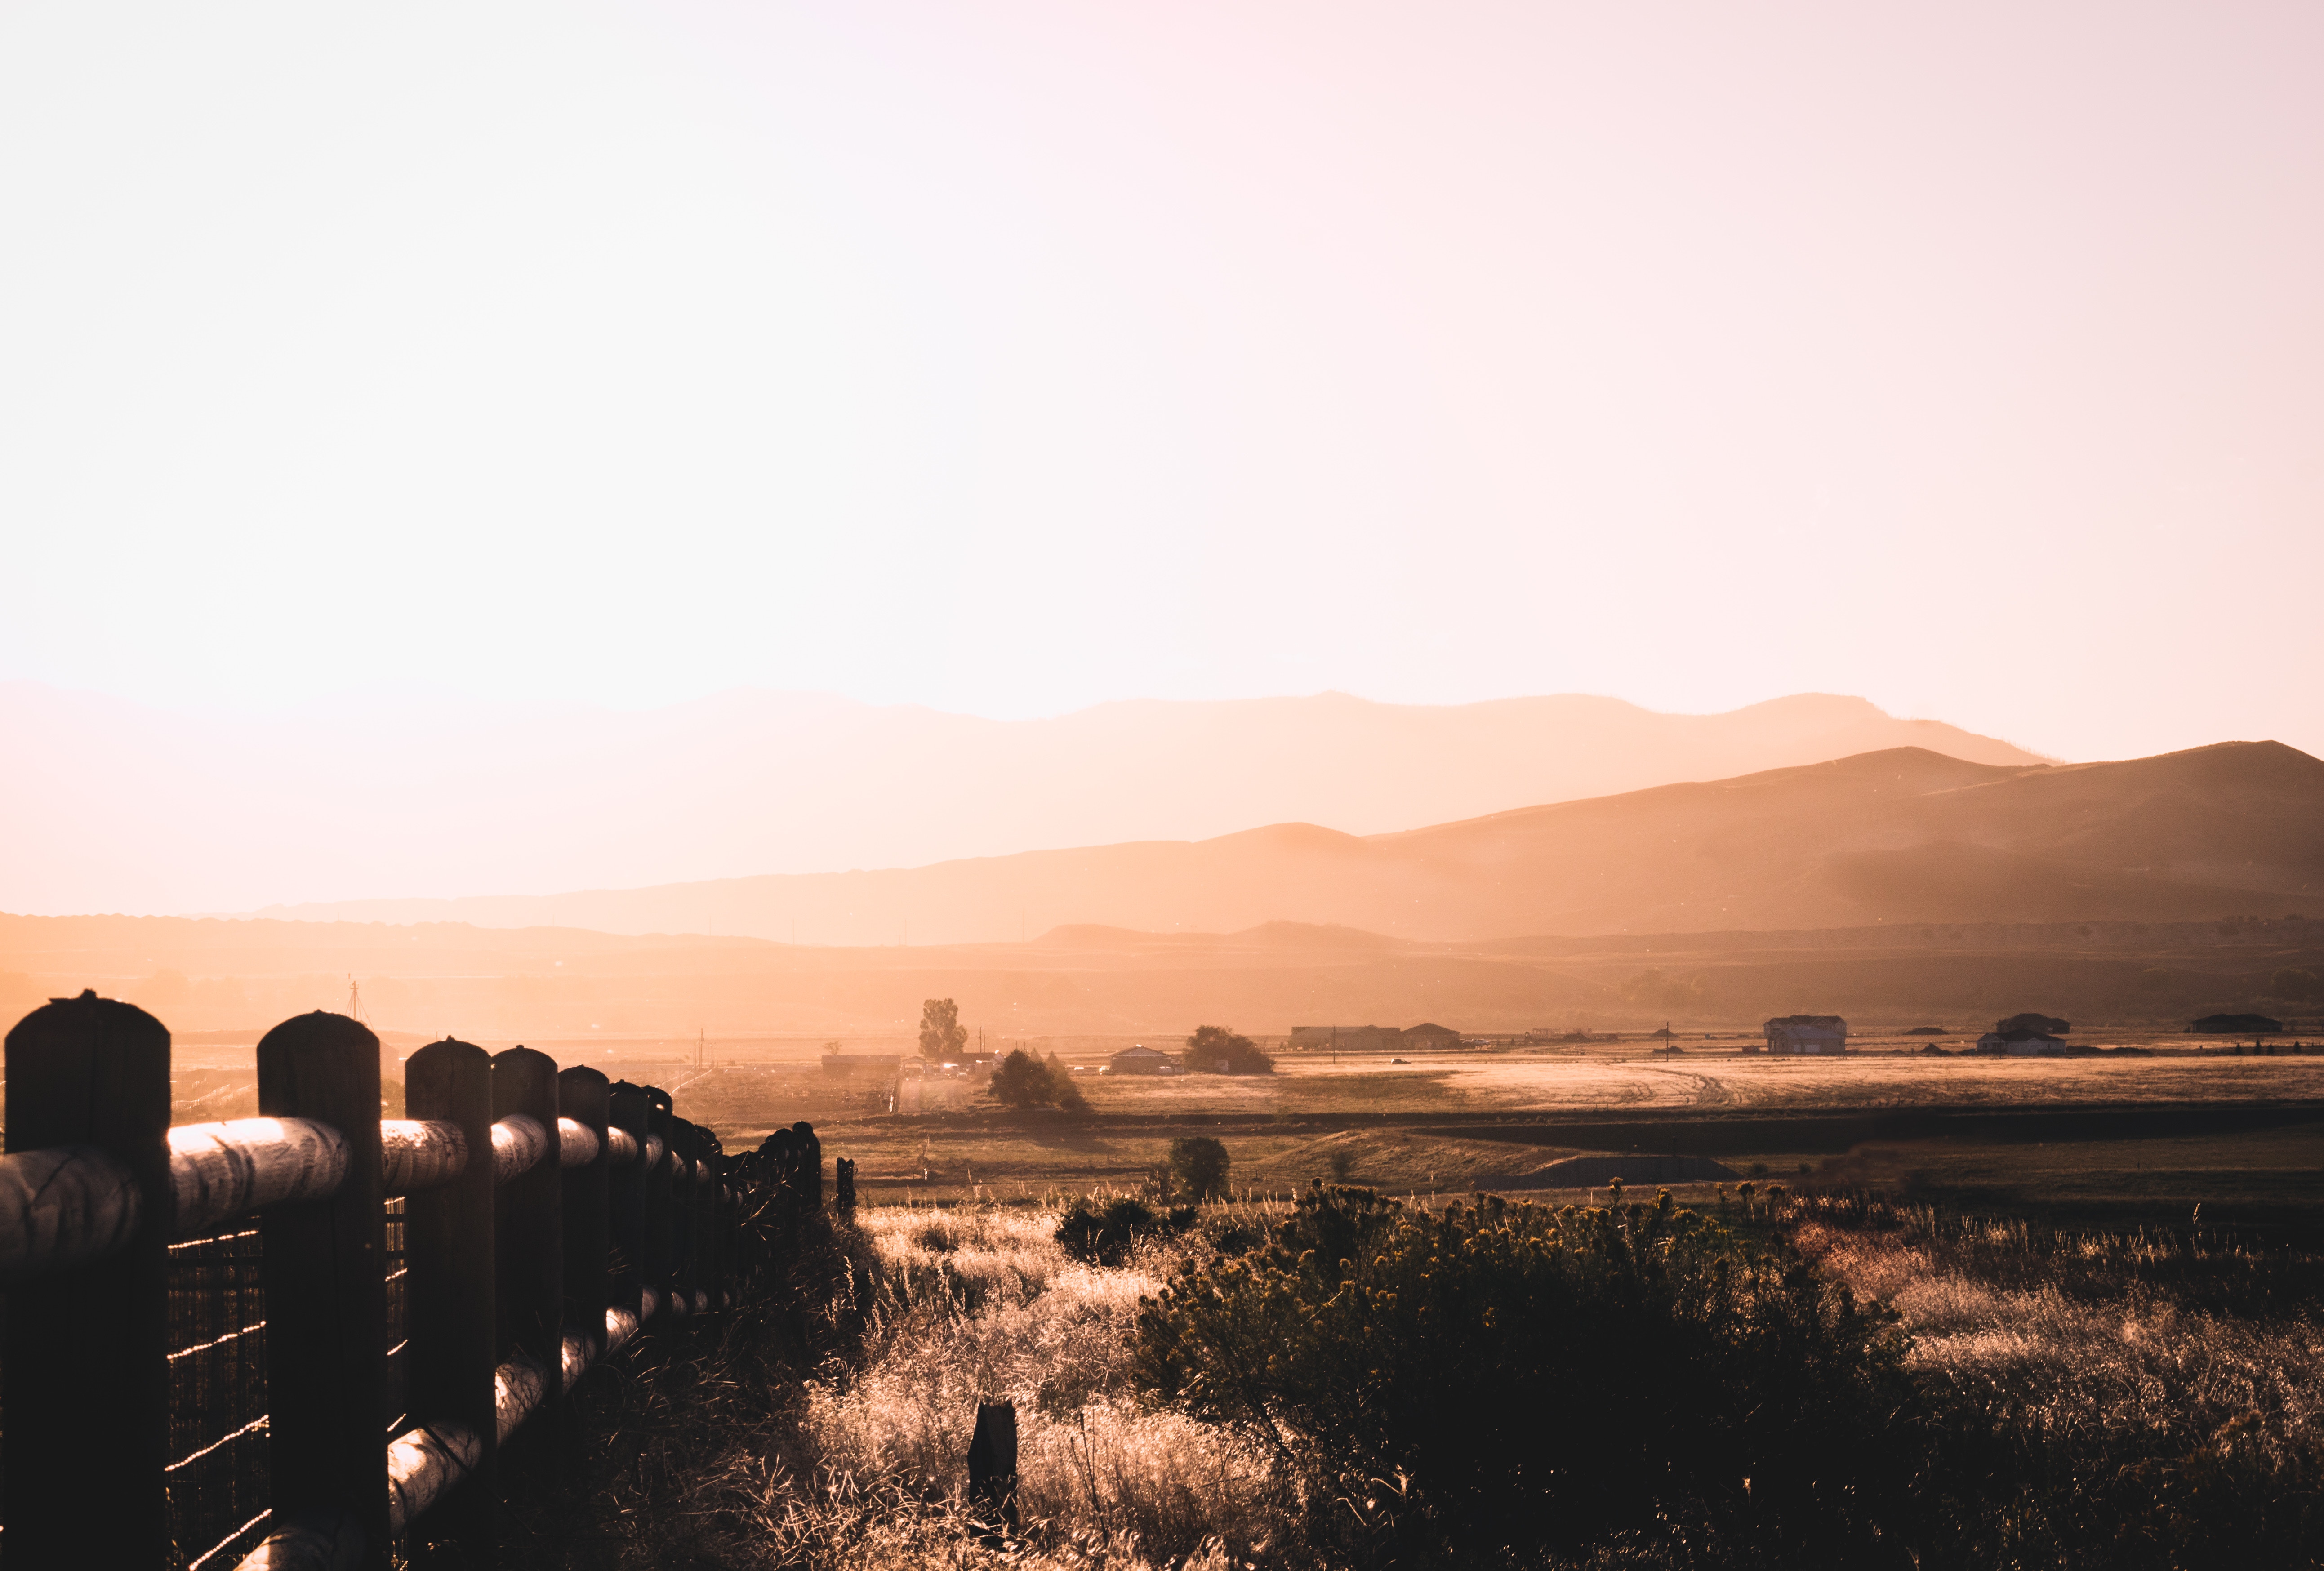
pixel 983 1305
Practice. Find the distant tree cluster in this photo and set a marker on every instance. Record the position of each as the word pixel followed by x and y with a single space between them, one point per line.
pixel 2297 986
pixel 1022 1081
pixel 1659 989
pixel 1213 1050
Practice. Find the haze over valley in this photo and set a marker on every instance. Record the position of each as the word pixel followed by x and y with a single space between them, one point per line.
pixel 1903 835
pixel 124 806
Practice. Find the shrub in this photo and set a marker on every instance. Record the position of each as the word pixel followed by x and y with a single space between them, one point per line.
pixel 1515 1383
pixel 1023 1082
pixel 1199 1166
pixel 1105 1235
pixel 1213 1050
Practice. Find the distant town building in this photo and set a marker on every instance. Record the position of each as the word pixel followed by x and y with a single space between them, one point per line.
pixel 1807 1033
pixel 1141 1060
pixel 1427 1036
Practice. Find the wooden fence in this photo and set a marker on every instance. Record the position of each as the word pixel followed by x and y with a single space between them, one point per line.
pixel 413 1290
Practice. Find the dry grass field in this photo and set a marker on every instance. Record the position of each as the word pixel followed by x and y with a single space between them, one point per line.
pixel 1493 1118
pixel 1446 1123
pixel 2099 1400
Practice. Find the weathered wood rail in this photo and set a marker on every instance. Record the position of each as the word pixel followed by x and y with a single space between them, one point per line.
pixel 545 1216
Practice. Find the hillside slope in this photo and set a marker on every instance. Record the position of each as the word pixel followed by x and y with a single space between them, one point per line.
pixel 1901 834
pixel 118 806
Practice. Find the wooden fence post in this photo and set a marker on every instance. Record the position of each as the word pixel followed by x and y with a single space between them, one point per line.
pixel 844 1194
pixel 86 1399
pixel 448 1250
pixel 655 1265
pixel 709 1223
pixel 813 1196
pixel 684 1255
pixel 529 1294
pixel 993 1471
pixel 583 1096
pixel 628 1108
pixel 326 1291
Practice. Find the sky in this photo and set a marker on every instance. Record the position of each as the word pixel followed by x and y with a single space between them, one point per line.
pixel 1016 358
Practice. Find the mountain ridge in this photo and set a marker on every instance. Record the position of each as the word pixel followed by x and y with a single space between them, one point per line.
pixel 1899 835
pixel 122 806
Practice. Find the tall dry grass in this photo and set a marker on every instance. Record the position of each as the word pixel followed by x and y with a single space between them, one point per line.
pixel 828 1425
pixel 2095 1402
pixel 2110 1400
pixel 983 1305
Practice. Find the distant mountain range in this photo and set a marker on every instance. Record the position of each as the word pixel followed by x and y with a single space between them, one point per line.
pixel 112 805
pixel 1899 835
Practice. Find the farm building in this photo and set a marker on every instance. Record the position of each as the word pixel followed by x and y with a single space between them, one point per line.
pixel 1141 1060
pixel 1350 1039
pixel 2021 1044
pixel 1430 1037
pixel 1807 1033
pixel 2240 1025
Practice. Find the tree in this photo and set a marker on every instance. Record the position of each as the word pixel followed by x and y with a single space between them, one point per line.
pixel 942 1036
pixel 1213 1050
pixel 2296 985
pixel 1023 1082
pixel 1199 1165
pixel 2048 1025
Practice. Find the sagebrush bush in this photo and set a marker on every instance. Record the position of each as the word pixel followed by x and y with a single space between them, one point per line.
pixel 1105 1235
pixel 1511 1382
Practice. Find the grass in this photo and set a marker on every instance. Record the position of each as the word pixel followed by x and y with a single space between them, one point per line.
pixel 827 1427
pixel 2113 1399
pixel 2126 1400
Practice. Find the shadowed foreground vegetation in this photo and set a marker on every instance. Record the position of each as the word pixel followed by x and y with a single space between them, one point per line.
pixel 1768 1381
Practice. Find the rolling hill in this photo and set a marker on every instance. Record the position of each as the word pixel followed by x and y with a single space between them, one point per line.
pixel 1901 834
pixel 114 806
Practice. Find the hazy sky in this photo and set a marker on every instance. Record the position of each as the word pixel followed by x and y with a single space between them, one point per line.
pixel 1008 358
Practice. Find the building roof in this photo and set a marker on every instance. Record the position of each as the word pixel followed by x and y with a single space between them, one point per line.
pixel 1828 1021
pixel 1432 1028
pixel 1141 1050
pixel 2242 1025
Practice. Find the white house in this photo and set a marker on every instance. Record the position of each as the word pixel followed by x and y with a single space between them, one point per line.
pixel 1807 1033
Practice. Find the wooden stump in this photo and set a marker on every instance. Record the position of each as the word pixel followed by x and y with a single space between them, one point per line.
pixel 992 1472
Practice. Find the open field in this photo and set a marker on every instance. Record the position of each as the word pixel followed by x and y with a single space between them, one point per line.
pixel 2117 1140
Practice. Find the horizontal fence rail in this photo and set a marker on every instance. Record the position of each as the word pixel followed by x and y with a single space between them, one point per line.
pixel 415 1289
